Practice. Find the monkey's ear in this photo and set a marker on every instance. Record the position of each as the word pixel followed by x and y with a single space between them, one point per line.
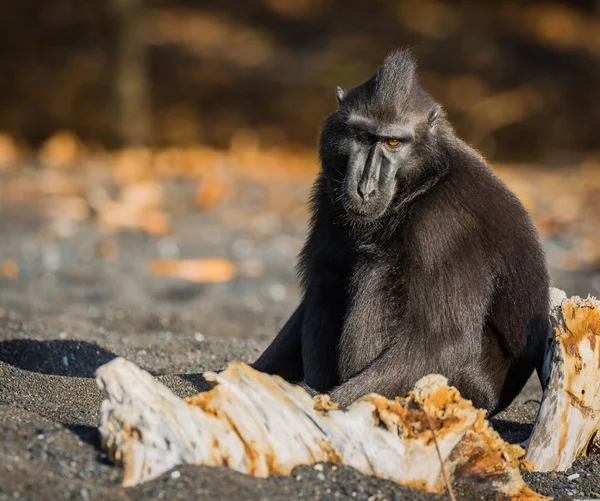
pixel 340 94
pixel 433 114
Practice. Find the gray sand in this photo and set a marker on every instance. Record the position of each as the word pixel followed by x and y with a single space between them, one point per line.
pixel 70 310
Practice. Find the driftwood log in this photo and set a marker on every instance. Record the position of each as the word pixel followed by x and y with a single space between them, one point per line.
pixel 262 425
pixel 569 416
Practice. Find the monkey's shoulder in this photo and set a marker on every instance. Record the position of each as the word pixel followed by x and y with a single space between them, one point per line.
pixel 470 213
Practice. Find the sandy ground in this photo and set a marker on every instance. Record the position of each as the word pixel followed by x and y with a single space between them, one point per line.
pixel 73 308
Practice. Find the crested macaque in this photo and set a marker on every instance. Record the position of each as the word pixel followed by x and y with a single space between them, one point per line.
pixel 418 260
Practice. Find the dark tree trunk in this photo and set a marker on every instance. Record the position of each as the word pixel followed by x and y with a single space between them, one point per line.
pixel 131 76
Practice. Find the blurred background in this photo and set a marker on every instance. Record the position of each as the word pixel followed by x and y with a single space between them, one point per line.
pixel 156 155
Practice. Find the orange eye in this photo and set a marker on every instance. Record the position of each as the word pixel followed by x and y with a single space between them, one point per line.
pixel 393 142
pixel 363 136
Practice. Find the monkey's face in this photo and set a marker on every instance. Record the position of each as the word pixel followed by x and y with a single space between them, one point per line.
pixel 377 153
pixel 371 160
pixel 378 140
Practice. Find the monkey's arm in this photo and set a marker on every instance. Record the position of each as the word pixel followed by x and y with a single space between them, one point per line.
pixel 283 356
pixel 441 332
pixel 325 302
pixel 394 372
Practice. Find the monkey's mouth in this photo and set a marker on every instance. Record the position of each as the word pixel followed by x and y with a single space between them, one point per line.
pixel 359 209
pixel 365 212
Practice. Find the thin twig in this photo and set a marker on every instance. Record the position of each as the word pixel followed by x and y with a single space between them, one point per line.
pixel 437 448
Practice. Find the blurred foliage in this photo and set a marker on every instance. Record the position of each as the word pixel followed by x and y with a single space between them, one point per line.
pixel 66 184
pixel 520 80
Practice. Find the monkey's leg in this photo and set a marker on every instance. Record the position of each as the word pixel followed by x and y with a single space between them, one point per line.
pixel 481 385
pixel 395 371
pixel 283 356
pixel 383 376
pixel 325 301
pixel 482 380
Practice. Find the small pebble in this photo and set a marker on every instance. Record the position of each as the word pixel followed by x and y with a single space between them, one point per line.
pixel 175 474
pixel 165 335
pixel 575 476
pixel 168 248
pixel 65 361
pixel 318 467
pixel 198 336
pixel 242 248
pixel 321 477
pixel 277 292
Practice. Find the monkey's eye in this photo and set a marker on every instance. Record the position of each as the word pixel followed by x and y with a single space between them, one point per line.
pixel 363 136
pixel 393 142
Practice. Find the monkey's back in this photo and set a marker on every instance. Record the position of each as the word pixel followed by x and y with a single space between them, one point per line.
pixel 473 218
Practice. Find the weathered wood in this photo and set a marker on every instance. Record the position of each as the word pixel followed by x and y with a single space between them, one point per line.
pixel 262 425
pixel 570 412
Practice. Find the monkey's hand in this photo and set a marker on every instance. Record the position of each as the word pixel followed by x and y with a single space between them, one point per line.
pixel 345 394
pixel 311 391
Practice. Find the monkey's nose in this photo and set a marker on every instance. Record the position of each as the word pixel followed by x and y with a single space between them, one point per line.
pixel 365 192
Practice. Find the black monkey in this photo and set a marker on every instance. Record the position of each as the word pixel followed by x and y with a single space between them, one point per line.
pixel 419 259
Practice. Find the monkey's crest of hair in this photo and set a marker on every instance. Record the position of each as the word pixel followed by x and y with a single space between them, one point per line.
pixel 396 77
pixel 392 91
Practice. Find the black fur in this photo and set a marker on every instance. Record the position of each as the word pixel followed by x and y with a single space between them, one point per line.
pixel 419 259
